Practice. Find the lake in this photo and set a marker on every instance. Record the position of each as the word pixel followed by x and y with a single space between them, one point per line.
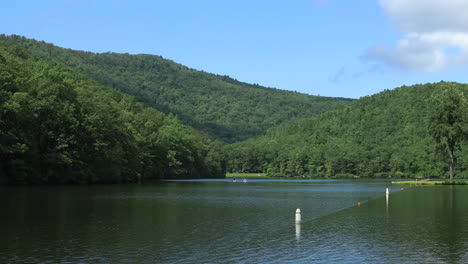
pixel 218 221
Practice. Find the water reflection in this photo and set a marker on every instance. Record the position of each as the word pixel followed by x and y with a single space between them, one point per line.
pixel 238 223
pixel 298 231
pixel 387 198
pixel 427 224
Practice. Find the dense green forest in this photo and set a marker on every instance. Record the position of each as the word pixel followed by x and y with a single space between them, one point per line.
pixel 222 107
pixel 79 117
pixel 384 135
pixel 58 126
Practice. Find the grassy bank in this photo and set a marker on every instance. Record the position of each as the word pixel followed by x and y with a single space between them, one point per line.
pixel 431 182
pixel 245 175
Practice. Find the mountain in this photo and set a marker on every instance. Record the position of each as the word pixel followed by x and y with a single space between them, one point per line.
pixel 58 126
pixel 383 135
pixel 222 107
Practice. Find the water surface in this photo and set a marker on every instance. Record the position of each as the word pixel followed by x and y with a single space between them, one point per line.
pixel 218 221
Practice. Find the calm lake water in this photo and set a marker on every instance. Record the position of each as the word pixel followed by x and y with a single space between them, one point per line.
pixel 218 221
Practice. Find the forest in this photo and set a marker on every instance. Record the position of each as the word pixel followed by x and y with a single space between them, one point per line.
pixel 58 126
pixel 70 116
pixel 383 135
pixel 218 106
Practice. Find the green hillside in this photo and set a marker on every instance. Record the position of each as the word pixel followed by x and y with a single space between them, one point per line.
pixel 68 116
pixel 221 107
pixel 384 135
pixel 57 126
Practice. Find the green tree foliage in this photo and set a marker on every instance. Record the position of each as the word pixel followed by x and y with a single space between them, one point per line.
pixel 57 126
pixel 384 135
pixel 448 121
pixel 222 107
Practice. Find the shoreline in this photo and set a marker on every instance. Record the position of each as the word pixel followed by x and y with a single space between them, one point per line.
pixel 429 182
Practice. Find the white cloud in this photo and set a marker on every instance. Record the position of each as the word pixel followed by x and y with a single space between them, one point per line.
pixel 427 15
pixel 432 30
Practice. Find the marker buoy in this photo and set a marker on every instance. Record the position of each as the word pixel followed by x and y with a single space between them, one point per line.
pixel 298 216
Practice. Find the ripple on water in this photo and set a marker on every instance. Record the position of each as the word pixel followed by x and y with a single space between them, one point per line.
pixel 220 222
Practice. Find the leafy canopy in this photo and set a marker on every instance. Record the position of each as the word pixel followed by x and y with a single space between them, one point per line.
pixel 219 106
pixel 58 126
pixel 448 121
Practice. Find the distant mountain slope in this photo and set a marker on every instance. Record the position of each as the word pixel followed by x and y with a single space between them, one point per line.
pixel 383 135
pixel 222 107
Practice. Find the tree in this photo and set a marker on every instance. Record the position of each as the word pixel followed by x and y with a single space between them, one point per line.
pixel 448 120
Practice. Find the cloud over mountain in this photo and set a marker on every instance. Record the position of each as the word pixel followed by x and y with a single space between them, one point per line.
pixel 435 36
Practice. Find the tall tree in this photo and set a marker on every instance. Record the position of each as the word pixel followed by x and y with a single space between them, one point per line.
pixel 448 121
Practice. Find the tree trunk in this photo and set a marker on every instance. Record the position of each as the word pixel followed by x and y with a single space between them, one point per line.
pixel 452 163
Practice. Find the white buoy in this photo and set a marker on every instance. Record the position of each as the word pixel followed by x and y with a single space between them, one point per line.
pixel 387 192
pixel 298 216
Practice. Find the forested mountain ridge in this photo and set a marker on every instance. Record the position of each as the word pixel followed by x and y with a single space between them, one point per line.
pixel 64 120
pixel 58 126
pixel 383 135
pixel 220 106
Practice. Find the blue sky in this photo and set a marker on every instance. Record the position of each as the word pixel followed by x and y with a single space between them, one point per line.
pixel 337 48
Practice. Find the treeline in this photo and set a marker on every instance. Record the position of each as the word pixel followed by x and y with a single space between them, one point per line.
pixel 222 107
pixel 384 135
pixel 57 126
